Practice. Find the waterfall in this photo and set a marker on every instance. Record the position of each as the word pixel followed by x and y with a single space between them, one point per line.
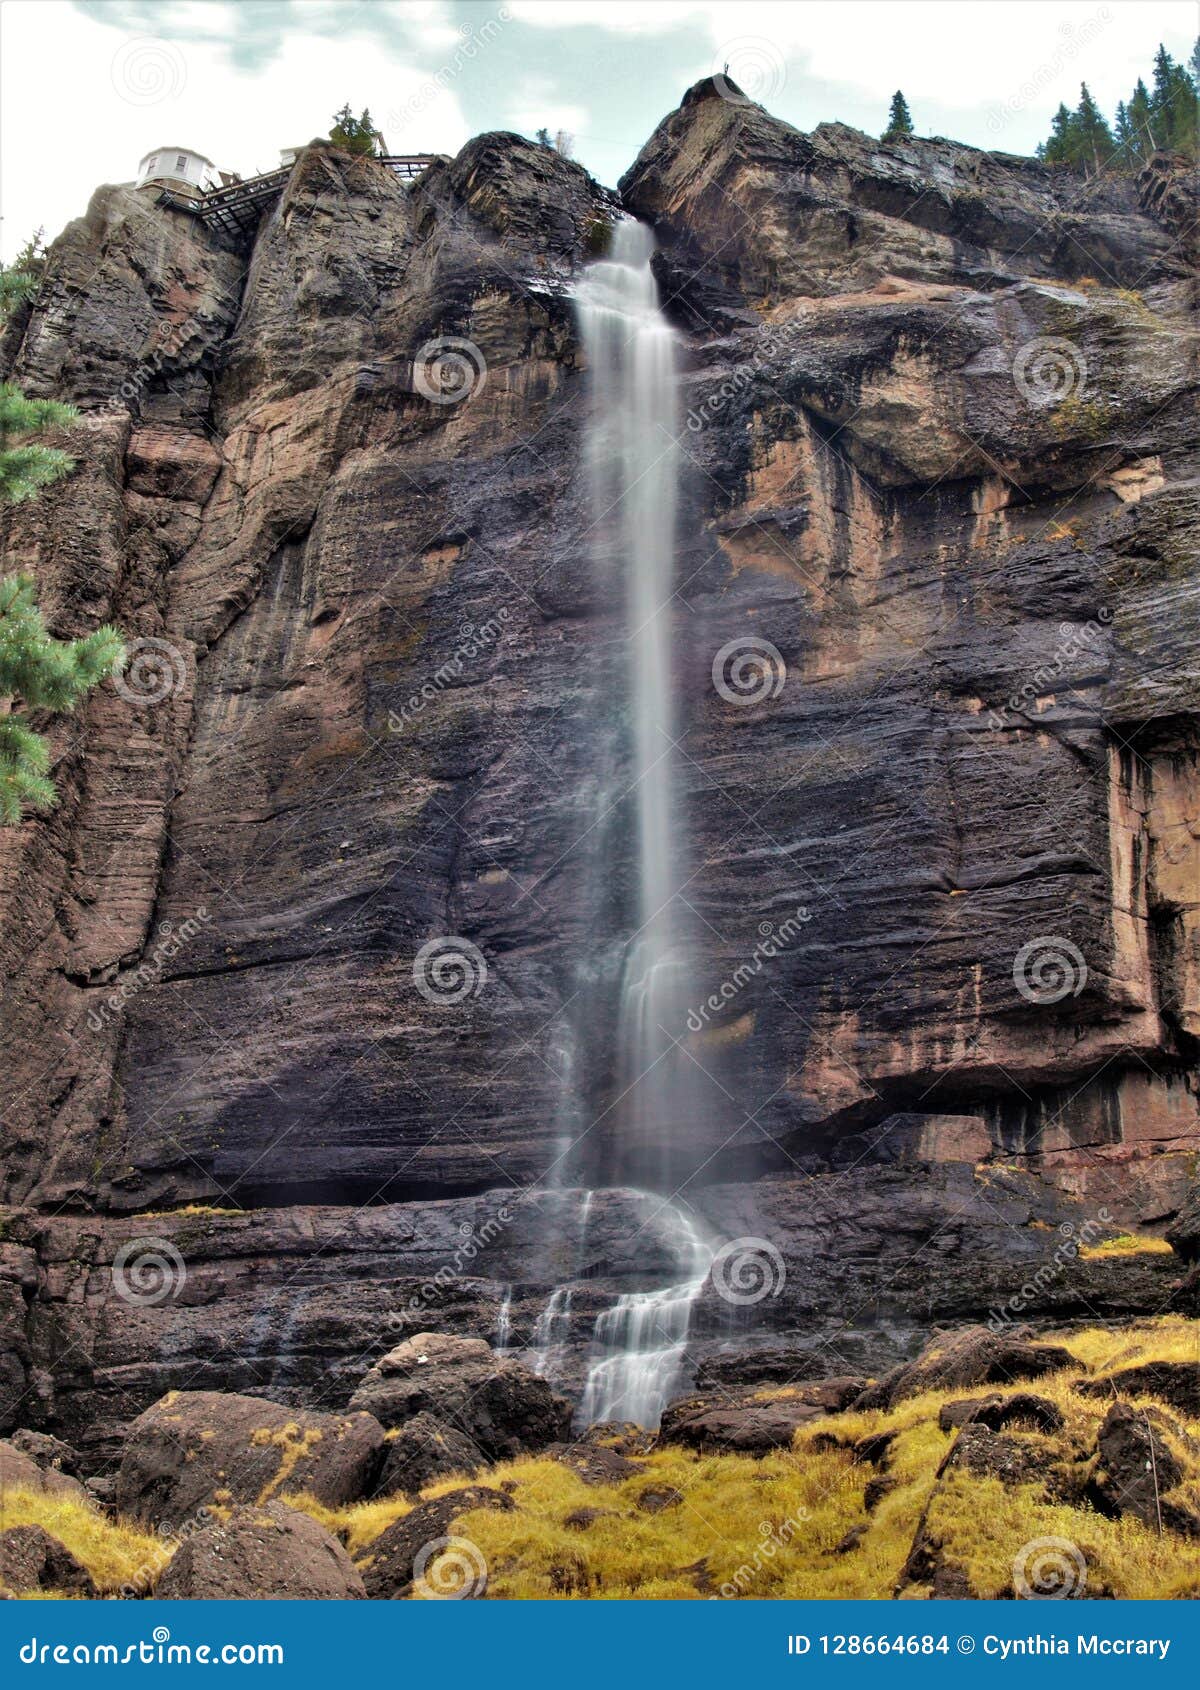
pixel 638 1344
pixel 504 1321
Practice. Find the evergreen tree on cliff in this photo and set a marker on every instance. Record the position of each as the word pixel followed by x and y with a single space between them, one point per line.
pixel 37 671
pixel 355 134
pixel 899 118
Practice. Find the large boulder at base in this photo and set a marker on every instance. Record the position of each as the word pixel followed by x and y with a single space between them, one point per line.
pixel 424 1449
pixel 263 1551
pixel 753 1423
pixel 974 1356
pixel 415 1542
pixel 1137 1468
pixel 494 1400
pixel 21 1471
pixel 1021 1409
pixel 1176 1383
pixel 194 1448
pixel 30 1559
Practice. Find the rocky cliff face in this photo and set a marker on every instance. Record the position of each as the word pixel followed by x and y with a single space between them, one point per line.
pixel 937 616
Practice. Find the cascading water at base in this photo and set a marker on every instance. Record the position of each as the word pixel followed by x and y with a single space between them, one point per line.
pixel 643 1338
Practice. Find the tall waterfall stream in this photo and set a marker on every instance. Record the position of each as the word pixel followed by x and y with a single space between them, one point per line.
pixel 634 463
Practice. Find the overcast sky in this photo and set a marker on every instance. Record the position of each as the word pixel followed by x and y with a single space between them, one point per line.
pixel 90 85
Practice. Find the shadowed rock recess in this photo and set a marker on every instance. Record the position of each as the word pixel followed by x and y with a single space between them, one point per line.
pixel 938 426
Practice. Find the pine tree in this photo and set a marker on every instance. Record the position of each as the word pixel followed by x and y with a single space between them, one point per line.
pixel 1057 150
pixel 37 672
pixel 355 134
pixel 899 118
pixel 1142 137
pixel 1091 138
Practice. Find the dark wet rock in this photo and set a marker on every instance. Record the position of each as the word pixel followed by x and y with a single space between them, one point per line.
pixel 260 1552
pixel 1136 1469
pixel 876 1450
pixel 751 1423
pixel 1177 1383
pixel 581 1519
pixel 496 1401
pixel 656 1499
pixel 989 1454
pixel 595 1465
pixel 626 1437
pixel 1022 1409
pixel 196 1448
pixel 1183 1234
pixel 424 1449
pixel 30 1559
pixel 876 1489
pixel 387 1563
pixel 851 1540
pixel 972 1357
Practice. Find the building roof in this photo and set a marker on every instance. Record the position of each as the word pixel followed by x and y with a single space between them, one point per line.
pixel 192 151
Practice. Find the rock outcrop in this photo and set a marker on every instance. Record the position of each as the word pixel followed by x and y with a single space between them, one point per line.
pixel 259 1553
pixel 938 410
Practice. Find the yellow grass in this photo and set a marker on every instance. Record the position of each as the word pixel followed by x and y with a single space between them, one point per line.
pixel 114 1552
pixel 1128 1244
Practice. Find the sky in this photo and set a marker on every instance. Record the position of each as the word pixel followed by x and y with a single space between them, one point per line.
pixel 88 86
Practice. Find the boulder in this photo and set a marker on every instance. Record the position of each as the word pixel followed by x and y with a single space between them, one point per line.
pixel 21 1471
pixel 193 1448
pixel 1176 1383
pixel 258 1552
pixel 494 1400
pixel 749 1423
pixel 1183 1234
pixel 422 1450
pixel 30 1559
pixel 47 1451
pixel 996 1412
pixel 1137 1468
pixel 595 1464
pixel 991 1455
pixel 389 1563
pixel 974 1356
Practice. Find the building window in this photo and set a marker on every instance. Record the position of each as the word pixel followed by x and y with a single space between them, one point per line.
pixel 151 164
pixel 181 162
